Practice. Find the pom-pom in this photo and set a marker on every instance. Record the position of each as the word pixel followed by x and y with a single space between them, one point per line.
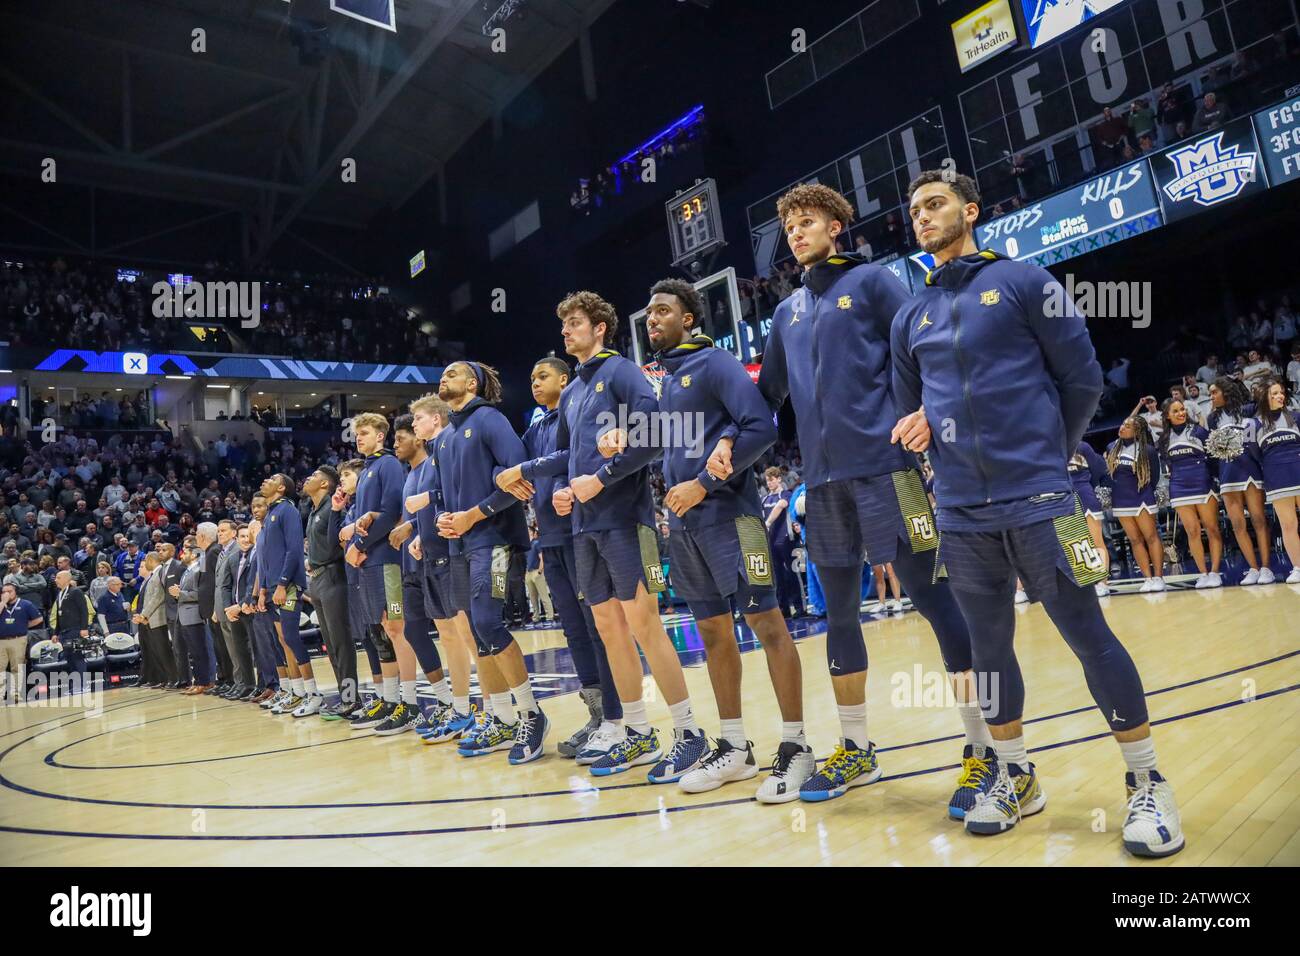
pixel 1226 444
pixel 1162 495
pixel 1103 496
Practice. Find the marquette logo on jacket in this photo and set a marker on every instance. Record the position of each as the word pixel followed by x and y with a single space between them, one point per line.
pixel 845 302
pixel 686 381
pixel 925 320
pixel 600 386
pixel 468 432
pixel 991 297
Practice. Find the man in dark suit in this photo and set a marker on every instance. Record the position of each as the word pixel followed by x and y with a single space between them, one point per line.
pixel 229 624
pixel 70 620
pixel 171 572
pixel 210 553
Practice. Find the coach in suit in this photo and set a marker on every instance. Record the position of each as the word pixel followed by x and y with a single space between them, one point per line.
pixel 192 625
pixel 70 619
pixel 210 553
pixel 232 630
pixel 171 571
pixel 158 667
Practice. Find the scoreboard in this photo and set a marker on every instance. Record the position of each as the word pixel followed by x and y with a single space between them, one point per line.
pixel 694 225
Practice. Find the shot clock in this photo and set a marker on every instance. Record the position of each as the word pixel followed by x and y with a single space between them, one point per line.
pixel 694 225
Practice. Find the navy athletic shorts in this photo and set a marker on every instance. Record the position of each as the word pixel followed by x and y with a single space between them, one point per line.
pixel 380 588
pixel 612 563
pixel 865 518
pixel 714 564
pixel 988 562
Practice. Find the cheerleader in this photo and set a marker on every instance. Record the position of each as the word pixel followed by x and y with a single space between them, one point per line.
pixel 1191 491
pixel 1134 470
pixel 1241 484
pixel 1276 447
pixel 1087 470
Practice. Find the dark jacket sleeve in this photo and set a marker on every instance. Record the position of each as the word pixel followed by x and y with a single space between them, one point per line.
pixel 507 451
pixel 773 376
pixel 906 371
pixel 292 532
pixel 556 464
pixel 746 409
pixel 1097 470
pixel 631 388
pixel 1067 350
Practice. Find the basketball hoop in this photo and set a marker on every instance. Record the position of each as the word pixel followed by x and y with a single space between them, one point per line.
pixel 654 374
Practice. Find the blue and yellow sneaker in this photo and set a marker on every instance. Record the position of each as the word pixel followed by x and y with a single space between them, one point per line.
pixel 530 734
pixel 1014 794
pixel 493 736
pixel 688 750
pixel 849 766
pixel 978 771
pixel 451 726
pixel 432 718
pixel 634 750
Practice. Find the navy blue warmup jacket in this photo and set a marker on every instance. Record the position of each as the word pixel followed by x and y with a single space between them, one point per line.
pixel 1002 362
pixel 709 385
pixel 478 445
pixel 379 489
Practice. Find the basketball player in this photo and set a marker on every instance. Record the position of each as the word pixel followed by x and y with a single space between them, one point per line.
pixel 1001 330
pixel 378 506
pixel 555 535
pixel 263 622
pixel 429 416
pixel 416 622
pixel 282 577
pixel 828 350
pixel 614 542
pixel 718 542
pixel 487 524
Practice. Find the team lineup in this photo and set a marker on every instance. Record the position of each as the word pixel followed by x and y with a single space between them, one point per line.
pixel 422 532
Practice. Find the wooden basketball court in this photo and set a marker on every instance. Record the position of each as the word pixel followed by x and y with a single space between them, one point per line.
pixel 161 779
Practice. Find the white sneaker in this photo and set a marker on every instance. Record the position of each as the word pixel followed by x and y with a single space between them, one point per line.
pixel 1021 597
pixel 1146 586
pixel 1214 580
pixel 277 698
pixel 606 737
pixel 724 764
pixel 1153 827
pixel 1101 589
pixel 1294 576
pixel 311 704
pixel 1266 576
pixel 1157 584
pixel 793 764
pixel 1252 577
pixel 1202 581
pixel 288 705
pixel 872 607
pixel 896 607
pixel 1006 802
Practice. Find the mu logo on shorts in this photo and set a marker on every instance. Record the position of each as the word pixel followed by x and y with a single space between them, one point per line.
pixel 921 527
pixel 757 566
pixel 498 581
pixel 1085 555
pixel 656 574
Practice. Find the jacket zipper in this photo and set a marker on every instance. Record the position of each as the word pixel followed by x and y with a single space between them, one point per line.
pixel 965 390
pixel 817 379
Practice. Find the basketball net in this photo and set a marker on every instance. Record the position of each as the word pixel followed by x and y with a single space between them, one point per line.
pixel 654 374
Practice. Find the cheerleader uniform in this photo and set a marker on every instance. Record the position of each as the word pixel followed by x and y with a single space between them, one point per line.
pixel 1087 470
pixel 1189 468
pixel 1127 500
pixel 1237 474
pixel 1276 451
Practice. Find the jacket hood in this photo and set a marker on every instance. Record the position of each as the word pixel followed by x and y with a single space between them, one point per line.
pixel 468 409
pixel 821 276
pixel 587 369
pixel 955 273
pixel 672 358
